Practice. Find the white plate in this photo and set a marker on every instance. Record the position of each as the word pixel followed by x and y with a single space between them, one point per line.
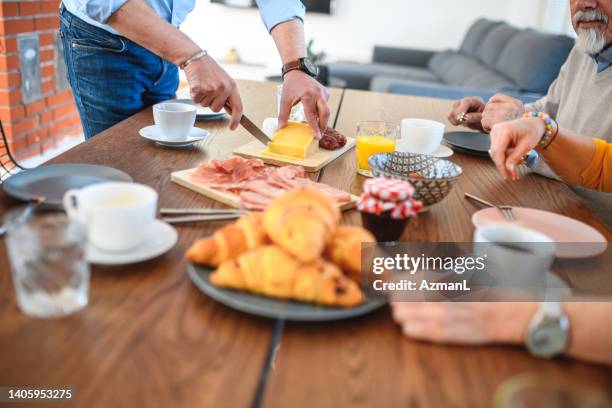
pixel 152 133
pixel 202 112
pixel 160 239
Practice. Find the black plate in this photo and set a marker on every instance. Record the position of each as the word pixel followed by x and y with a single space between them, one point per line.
pixel 53 180
pixel 474 143
pixel 275 308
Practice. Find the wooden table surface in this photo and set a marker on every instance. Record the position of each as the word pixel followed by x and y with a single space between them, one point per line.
pixel 150 338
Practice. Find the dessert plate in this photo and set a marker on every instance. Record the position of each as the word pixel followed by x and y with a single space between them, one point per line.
pixel 53 180
pixel 276 308
pixel 161 238
pixel 152 133
pixel 474 143
pixel 577 239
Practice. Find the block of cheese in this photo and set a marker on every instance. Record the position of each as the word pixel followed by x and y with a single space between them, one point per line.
pixel 294 140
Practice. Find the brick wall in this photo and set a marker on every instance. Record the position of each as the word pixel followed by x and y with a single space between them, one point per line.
pixel 36 125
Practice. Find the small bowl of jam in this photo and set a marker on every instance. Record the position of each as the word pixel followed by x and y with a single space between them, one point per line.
pixel 386 205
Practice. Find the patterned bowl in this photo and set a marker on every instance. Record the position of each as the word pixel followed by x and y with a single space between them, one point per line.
pixel 431 177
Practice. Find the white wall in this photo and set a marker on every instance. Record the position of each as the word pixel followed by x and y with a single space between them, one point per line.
pixel 358 25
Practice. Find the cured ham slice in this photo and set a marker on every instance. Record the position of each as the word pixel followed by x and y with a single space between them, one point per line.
pixel 257 184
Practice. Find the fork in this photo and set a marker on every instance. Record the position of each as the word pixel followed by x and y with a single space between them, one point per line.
pixel 506 210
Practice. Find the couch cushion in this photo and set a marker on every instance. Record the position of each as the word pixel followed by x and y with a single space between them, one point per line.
pixel 359 75
pixel 533 59
pixel 494 43
pixel 457 69
pixel 383 83
pixel 476 35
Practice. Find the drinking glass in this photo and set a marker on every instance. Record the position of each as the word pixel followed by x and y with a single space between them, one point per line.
pixel 373 138
pixel 47 257
pixel 297 112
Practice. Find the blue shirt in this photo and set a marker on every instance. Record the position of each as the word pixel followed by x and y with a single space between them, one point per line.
pixel 97 12
pixel 603 59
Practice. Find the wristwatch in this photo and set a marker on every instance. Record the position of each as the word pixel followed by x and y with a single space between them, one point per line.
pixel 548 332
pixel 303 64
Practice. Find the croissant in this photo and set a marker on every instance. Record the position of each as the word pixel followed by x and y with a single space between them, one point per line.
pixel 272 272
pixel 344 249
pixel 229 242
pixel 302 222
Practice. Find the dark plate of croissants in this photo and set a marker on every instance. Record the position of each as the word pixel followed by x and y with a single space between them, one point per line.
pixel 293 261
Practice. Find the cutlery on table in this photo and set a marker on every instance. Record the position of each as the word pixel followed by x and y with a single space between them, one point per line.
pixel 201 218
pixel 254 130
pixel 506 210
pixel 199 214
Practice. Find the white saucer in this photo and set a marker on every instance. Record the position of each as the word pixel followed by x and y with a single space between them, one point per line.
pixel 160 239
pixel 152 133
pixel 441 152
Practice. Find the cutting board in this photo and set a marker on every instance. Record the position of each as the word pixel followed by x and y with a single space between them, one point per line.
pixel 311 164
pixel 183 178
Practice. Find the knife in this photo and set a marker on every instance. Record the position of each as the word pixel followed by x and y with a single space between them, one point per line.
pixel 255 131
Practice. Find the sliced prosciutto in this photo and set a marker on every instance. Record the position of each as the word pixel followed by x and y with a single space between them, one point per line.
pixel 257 184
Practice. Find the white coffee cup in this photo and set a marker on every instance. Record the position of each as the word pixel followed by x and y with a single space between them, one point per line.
pixel 420 136
pixel 174 120
pixel 117 215
pixel 516 256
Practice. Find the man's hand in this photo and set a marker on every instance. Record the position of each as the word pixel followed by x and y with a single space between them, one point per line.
pixel 501 108
pixel 300 87
pixel 212 87
pixel 511 141
pixel 467 112
pixel 464 322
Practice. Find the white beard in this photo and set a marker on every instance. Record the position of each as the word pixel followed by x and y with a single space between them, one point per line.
pixel 590 40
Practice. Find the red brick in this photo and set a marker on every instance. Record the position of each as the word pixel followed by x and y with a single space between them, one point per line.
pixel 8 9
pixel 9 62
pixel 8 45
pixel 10 81
pixel 10 97
pixel 64 110
pixel 46 117
pixel 48 7
pixel 46 39
pixel 29 8
pixel 47 55
pixel 14 130
pixel 35 107
pixel 16 26
pixel 46 23
pixel 12 113
pixel 58 98
pixel 48 86
pixel 47 71
pixel 29 152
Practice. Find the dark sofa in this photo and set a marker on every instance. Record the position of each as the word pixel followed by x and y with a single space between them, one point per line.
pixel 493 57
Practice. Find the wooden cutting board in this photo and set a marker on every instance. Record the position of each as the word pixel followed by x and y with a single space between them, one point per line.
pixel 311 164
pixel 183 178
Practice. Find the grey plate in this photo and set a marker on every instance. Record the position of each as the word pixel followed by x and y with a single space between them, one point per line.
pixel 209 115
pixel 274 308
pixel 469 142
pixel 53 180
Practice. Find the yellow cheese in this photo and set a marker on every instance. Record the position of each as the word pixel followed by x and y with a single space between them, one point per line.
pixel 294 140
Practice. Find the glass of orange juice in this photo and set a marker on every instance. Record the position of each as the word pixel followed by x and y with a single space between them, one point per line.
pixel 373 138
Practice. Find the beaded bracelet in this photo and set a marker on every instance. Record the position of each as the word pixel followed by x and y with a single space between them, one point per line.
pixel 552 128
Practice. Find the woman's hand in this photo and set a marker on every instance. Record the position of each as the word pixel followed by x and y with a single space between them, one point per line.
pixel 467 112
pixel 464 322
pixel 511 141
pixel 300 87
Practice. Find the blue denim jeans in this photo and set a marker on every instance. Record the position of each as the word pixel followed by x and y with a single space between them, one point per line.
pixel 111 77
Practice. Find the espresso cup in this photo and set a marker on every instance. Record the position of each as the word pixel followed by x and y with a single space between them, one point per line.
pixel 117 215
pixel 174 120
pixel 420 136
pixel 515 256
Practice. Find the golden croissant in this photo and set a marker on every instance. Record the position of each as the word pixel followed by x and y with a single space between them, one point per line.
pixel 272 272
pixel 344 249
pixel 229 242
pixel 302 222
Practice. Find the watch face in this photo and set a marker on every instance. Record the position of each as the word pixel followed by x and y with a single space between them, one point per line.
pixel 310 67
pixel 549 338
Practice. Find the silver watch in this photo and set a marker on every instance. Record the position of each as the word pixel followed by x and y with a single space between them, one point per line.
pixel 548 332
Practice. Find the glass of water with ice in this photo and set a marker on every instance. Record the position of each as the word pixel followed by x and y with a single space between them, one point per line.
pixel 47 256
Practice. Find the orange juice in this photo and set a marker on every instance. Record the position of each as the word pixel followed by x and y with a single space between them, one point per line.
pixel 368 145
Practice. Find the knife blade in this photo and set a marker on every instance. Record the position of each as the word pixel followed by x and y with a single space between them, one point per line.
pixel 255 131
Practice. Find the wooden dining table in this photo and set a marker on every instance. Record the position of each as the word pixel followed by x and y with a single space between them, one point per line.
pixel 150 338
